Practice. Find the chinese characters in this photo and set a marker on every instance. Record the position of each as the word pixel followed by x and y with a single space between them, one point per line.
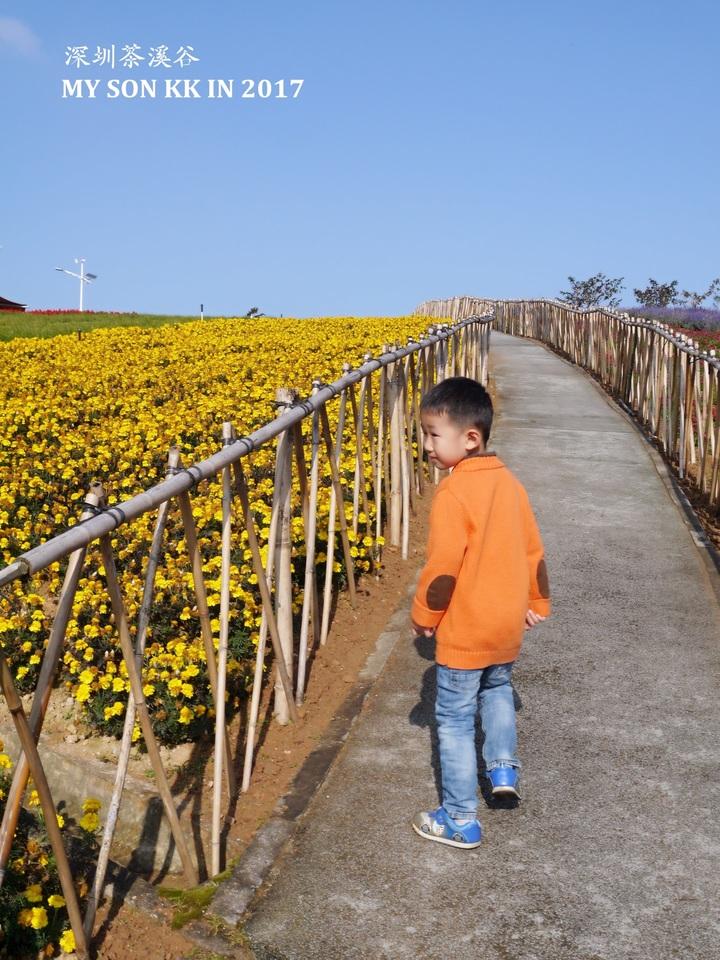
pixel 129 56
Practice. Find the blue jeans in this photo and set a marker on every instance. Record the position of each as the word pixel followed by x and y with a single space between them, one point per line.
pixel 460 693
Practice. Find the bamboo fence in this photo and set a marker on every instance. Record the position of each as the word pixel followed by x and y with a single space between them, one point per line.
pixel 455 308
pixel 379 413
pixel 661 377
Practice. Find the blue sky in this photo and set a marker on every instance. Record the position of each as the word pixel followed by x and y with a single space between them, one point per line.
pixel 435 149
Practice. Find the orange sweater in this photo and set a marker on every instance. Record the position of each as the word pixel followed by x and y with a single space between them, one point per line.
pixel 485 566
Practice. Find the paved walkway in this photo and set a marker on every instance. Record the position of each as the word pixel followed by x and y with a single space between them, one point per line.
pixel 614 851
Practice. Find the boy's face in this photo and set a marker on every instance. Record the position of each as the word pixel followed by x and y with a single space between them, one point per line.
pixel 446 442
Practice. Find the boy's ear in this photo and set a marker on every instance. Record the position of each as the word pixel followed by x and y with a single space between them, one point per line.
pixel 473 439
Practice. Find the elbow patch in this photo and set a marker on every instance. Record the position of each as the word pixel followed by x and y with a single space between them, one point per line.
pixel 542 580
pixel 439 592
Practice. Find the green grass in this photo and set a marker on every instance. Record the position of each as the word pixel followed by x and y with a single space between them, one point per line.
pixel 14 324
pixel 191 904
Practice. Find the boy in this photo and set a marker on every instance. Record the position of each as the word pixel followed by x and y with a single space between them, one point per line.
pixel 484 582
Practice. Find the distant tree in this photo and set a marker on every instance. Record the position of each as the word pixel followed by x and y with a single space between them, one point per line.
pixel 254 312
pixel 657 294
pixel 596 291
pixel 696 300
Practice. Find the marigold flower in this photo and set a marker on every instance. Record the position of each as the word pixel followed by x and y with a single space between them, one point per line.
pixel 39 918
pixel 67 942
pixel 90 822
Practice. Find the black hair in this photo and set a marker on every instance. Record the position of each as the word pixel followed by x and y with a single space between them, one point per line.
pixel 465 401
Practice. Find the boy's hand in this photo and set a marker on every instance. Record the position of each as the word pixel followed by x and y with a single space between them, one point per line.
pixel 422 631
pixel 531 618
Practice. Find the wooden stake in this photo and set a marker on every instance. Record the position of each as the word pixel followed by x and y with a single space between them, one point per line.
pixel 341 508
pixel 310 581
pixel 191 540
pixel 283 575
pixel 241 485
pixel 118 608
pixel 334 458
pixel 27 742
pixel 396 488
pixel 126 742
pixel 227 436
pixel 267 611
pixel 43 691
pixel 314 610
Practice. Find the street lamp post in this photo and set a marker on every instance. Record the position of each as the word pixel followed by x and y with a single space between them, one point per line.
pixel 82 276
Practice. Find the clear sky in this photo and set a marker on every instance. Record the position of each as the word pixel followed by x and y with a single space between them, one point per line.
pixel 435 149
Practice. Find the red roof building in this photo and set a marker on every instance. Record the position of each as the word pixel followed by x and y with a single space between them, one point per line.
pixel 11 305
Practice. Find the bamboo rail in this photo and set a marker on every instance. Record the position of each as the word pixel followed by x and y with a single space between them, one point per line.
pixel 661 377
pixel 377 420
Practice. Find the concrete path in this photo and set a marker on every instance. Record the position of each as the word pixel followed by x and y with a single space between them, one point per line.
pixel 614 851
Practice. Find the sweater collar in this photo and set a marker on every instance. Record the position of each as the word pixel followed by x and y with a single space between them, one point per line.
pixel 483 461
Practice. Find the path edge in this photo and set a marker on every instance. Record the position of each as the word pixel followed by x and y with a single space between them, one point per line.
pixel 236 895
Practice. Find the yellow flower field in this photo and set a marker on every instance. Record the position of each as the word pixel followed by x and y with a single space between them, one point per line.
pixel 108 407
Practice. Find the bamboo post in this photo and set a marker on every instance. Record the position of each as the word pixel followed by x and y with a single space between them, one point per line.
pixel 715 478
pixel 227 439
pixel 708 430
pixel 118 608
pixel 305 494
pixel 191 541
pixel 256 690
pixel 260 573
pixel 335 500
pixel 126 742
pixel 414 378
pixel 405 453
pixel 396 486
pixel 27 742
pixel 264 579
pixel 690 368
pixel 380 458
pixel 371 429
pixel 43 691
pixel 284 398
pixel 409 425
pixel 359 491
pixel 341 507
pixel 310 581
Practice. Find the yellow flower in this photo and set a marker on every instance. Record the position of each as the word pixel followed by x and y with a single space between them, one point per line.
pixel 67 942
pixel 187 689
pixel 39 918
pixel 25 917
pixel 82 693
pixel 148 689
pixel 60 820
pixel 90 822
pixel 186 715
pixel 33 799
pixel 118 684
pixel 5 761
pixel 56 901
pixel 175 686
pixel 33 894
pixel 91 805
